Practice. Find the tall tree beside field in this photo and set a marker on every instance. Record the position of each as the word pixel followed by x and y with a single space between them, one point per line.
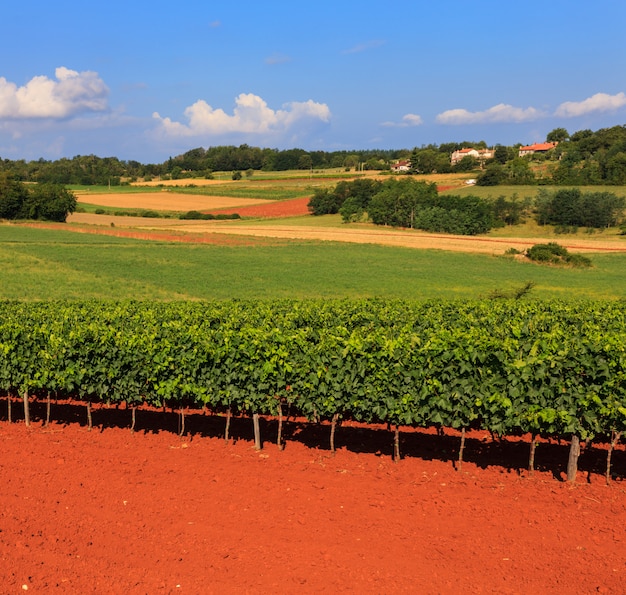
pixel 48 202
pixel 13 194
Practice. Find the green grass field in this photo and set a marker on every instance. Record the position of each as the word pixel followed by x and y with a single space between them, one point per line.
pixel 40 264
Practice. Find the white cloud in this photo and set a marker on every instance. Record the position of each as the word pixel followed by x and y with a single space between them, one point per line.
pixel 251 115
pixel 71 93
pixel 497 114
pixel 407 120
pixel 600 102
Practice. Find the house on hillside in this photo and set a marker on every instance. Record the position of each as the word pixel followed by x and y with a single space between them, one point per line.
pixel 402 165
pixel 480 154
pixel 536 148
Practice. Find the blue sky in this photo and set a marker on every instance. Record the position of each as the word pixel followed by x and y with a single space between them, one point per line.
pixel 147 81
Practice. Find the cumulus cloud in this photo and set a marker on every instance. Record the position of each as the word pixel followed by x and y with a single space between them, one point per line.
pixel 70 94
pixel 251 115
pixel 407 120
pixel 600 102
pixel 497 114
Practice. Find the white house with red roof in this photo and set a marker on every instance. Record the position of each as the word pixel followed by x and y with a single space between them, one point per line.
pixel 402 165
pixel 480 154
pixel 536 148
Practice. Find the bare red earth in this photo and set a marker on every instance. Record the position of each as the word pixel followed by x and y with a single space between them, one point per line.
pixel 110 511
pixel 282 208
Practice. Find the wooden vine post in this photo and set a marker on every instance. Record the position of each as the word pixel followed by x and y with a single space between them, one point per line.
pixel 279 438
pixel 461 449
pixel 227 430
pixel 396 444
pixel 26 409
pixel 333 428
pixel 615 436
pixel 257 431
pixel 531 456
pixel 181 421
pixel 572 462
pixel 48 409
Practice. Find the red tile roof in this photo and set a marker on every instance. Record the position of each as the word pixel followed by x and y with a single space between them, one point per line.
pixel 538 147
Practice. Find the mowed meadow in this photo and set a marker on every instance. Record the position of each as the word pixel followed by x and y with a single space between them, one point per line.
pixel 153 255
pixel 43 264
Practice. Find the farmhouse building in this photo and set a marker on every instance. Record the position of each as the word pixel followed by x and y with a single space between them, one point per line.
pixel 536 148
pixel 402 165
pixel 480 154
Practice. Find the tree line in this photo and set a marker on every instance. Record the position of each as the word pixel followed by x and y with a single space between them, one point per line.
pixel 198 162
pixel 585 157
pixel 407 202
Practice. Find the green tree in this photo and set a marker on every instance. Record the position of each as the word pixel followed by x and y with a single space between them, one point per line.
pixel 493 175
pixel 325 202
pixel 500 154
pixel 468 163
pixel 50 202
pixel 13 195
pixel 518 171
pixel 558 135
pixel 398 200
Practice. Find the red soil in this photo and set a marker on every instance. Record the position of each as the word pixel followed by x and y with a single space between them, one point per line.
pixel 110 511
pixel 164 236
pixel 282 208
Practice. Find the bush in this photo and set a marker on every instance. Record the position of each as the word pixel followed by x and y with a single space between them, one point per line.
pixel 553 253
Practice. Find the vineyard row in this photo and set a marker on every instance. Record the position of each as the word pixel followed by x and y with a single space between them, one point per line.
pixel 551 369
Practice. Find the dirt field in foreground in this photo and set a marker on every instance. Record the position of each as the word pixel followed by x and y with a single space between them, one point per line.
pixel 109 511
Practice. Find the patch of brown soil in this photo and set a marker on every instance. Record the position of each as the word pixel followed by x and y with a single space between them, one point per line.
pixel 164 236
pixel 166 201
pixel 110 511
pixel 294 207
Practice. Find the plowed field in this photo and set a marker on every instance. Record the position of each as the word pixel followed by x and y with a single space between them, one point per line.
pixel 110 511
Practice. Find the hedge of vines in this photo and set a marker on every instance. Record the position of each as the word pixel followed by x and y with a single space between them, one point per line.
pixel 549 368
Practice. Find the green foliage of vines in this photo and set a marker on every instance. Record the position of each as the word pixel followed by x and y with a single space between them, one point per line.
pixel 509 366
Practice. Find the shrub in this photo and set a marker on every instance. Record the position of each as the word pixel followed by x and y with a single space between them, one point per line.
pixel 553 253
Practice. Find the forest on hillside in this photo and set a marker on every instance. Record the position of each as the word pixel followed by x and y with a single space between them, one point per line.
pixel 585 157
